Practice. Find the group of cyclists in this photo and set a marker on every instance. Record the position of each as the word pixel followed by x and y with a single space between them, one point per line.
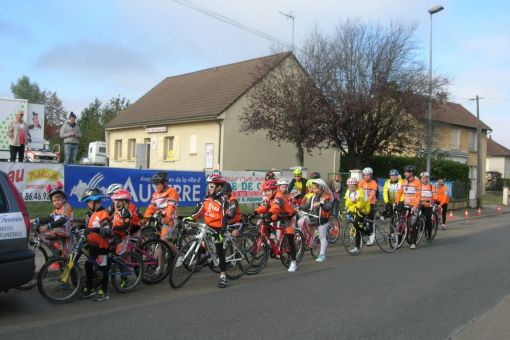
pixel 109 227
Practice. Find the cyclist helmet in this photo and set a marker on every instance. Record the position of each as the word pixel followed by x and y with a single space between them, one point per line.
pixel 216 179
pixel 159 177
pixel 320 183
pixel 269 185
pixel 297 172
pixel 121 194
pixel 56 189
pixel 227 188
pixel 113 188
pixel 409 168
pixel 309 183
pixel 92 194
pixel 352 180
pixel 367 170
pixel 282 181
pixel 425 174
pixel 315 175
pixel 394 172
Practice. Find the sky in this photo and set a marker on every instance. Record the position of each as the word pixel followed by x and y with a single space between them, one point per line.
pixel 102 49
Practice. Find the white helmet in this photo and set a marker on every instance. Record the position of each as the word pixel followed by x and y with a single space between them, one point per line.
pixel 113 188
pixel 352 180
pixel 282 181
pixel 425 174
pixel 320 182
pixel 367 170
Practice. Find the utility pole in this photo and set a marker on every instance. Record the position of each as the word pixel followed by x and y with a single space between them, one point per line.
pixel 291 16
pixel 478 154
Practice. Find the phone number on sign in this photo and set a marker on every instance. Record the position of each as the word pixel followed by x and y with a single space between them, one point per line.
pixel 36 196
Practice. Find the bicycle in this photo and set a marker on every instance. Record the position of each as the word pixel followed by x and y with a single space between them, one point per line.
pixel 279 247
pixel 195 252
pixel 311 233
pixel 41 245
pixel 437 210
pixel 409 224
pixel 182 234
pixel 60 279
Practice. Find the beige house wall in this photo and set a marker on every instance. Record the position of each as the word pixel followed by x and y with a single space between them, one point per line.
pixel 184 159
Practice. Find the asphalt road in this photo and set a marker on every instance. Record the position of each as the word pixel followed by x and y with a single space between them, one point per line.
pixel 433 292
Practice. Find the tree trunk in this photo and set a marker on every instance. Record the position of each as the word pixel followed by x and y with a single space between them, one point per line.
pixel 300 155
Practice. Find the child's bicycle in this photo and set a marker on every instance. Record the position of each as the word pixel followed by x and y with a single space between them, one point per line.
pixel 182 234
pixel 61 278
pixel 43 248
pixel 264 245
pixel 311 233
pixel 201 249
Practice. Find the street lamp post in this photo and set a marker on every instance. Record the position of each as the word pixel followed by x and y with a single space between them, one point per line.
pixel 432 11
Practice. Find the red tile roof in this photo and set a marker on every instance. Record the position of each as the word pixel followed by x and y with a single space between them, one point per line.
pixel 496 150
pixel 453 113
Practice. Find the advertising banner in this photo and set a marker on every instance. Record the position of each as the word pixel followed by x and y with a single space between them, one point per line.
pixel 31 179
pixel 246 185
pixel 189 184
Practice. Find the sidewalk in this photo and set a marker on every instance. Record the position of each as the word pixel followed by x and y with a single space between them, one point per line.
pixel 459 215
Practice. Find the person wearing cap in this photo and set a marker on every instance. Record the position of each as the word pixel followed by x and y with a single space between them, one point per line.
pixel 18 135
pixel 71 134
pixel 390 189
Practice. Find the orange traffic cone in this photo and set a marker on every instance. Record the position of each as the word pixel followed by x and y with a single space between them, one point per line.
pixel 451 218
pixel 466 213
pixel 479 213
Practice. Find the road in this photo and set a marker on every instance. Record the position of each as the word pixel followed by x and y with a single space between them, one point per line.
pixel 435 292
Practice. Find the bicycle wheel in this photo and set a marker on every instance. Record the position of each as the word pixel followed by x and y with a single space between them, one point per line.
pixel 149 233
pixel 40 257
pixel 420 229
pixel 385 236
pixel 435 225
pixel 299 243
pixel 127 271
pixel 259 258
pixel 157 259
pixel 333 229
pixel 315 249
pixel 236 260
pixel 54 286
pixel 349 239
pixel 184 263
pixel 402 231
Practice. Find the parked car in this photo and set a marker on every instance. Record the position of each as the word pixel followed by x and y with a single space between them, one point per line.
pixel 16 259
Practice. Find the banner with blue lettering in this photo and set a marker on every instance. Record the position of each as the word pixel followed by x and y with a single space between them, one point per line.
pixel 190 185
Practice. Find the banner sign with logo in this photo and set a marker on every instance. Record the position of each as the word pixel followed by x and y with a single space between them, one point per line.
pixel 189 184
pixel 31 179
pixel 246 185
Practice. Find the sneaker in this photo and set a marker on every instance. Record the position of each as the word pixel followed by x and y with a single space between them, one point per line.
pixel 102 295
pixel 413 246
pixel 87 293
pixel 371 239
pixel 443 226
pixel 354 250
pixel 222 282
pixel 293 266
pixel 320 258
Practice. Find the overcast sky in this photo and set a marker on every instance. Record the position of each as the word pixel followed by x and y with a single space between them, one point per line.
pixel 104 48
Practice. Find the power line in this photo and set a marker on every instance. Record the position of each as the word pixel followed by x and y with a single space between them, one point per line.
pixel 229 21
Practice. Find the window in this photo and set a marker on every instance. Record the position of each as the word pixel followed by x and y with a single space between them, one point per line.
pixel 131 148
pixel 168 149
pixel 102 150
pixel 118 149
pixel 472 141
pixel 193 145
pixel 455 141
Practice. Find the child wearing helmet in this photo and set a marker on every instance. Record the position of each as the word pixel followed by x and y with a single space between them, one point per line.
pixel 214 211
pixel 309 189
pixel 409 196
pixel 134 211
pixel 298 183
pixel 233 216
pixel 357 206
pixel 164 201
pixel 370 188
pixel 58 224
pixel 98 223
pixel 121 219
pixel 390 189
pixel 320 205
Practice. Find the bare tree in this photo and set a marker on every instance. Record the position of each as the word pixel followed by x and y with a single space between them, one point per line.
pixel 286 104
pixel 373 83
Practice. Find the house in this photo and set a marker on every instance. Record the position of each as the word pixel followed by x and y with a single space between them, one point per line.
pixel 498 158
pixel 455 131
pixel 191 122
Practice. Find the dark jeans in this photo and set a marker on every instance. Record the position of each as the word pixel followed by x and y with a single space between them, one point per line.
pixel 443 214
pixel 17 150
pixel 427 212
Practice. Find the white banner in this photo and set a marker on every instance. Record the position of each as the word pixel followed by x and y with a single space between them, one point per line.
pixel 31 179
pixel 246 185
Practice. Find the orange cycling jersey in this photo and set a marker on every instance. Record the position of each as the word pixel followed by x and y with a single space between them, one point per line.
pixel 281 207
pixel 370 189
pixel 165 202
pixel 213 209
pixel 99 218
pixel 410 193
pixel 233 209
pixel 442 194
pixel 428 195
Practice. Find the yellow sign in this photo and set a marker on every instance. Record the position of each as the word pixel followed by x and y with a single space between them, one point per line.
pixel 49 174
